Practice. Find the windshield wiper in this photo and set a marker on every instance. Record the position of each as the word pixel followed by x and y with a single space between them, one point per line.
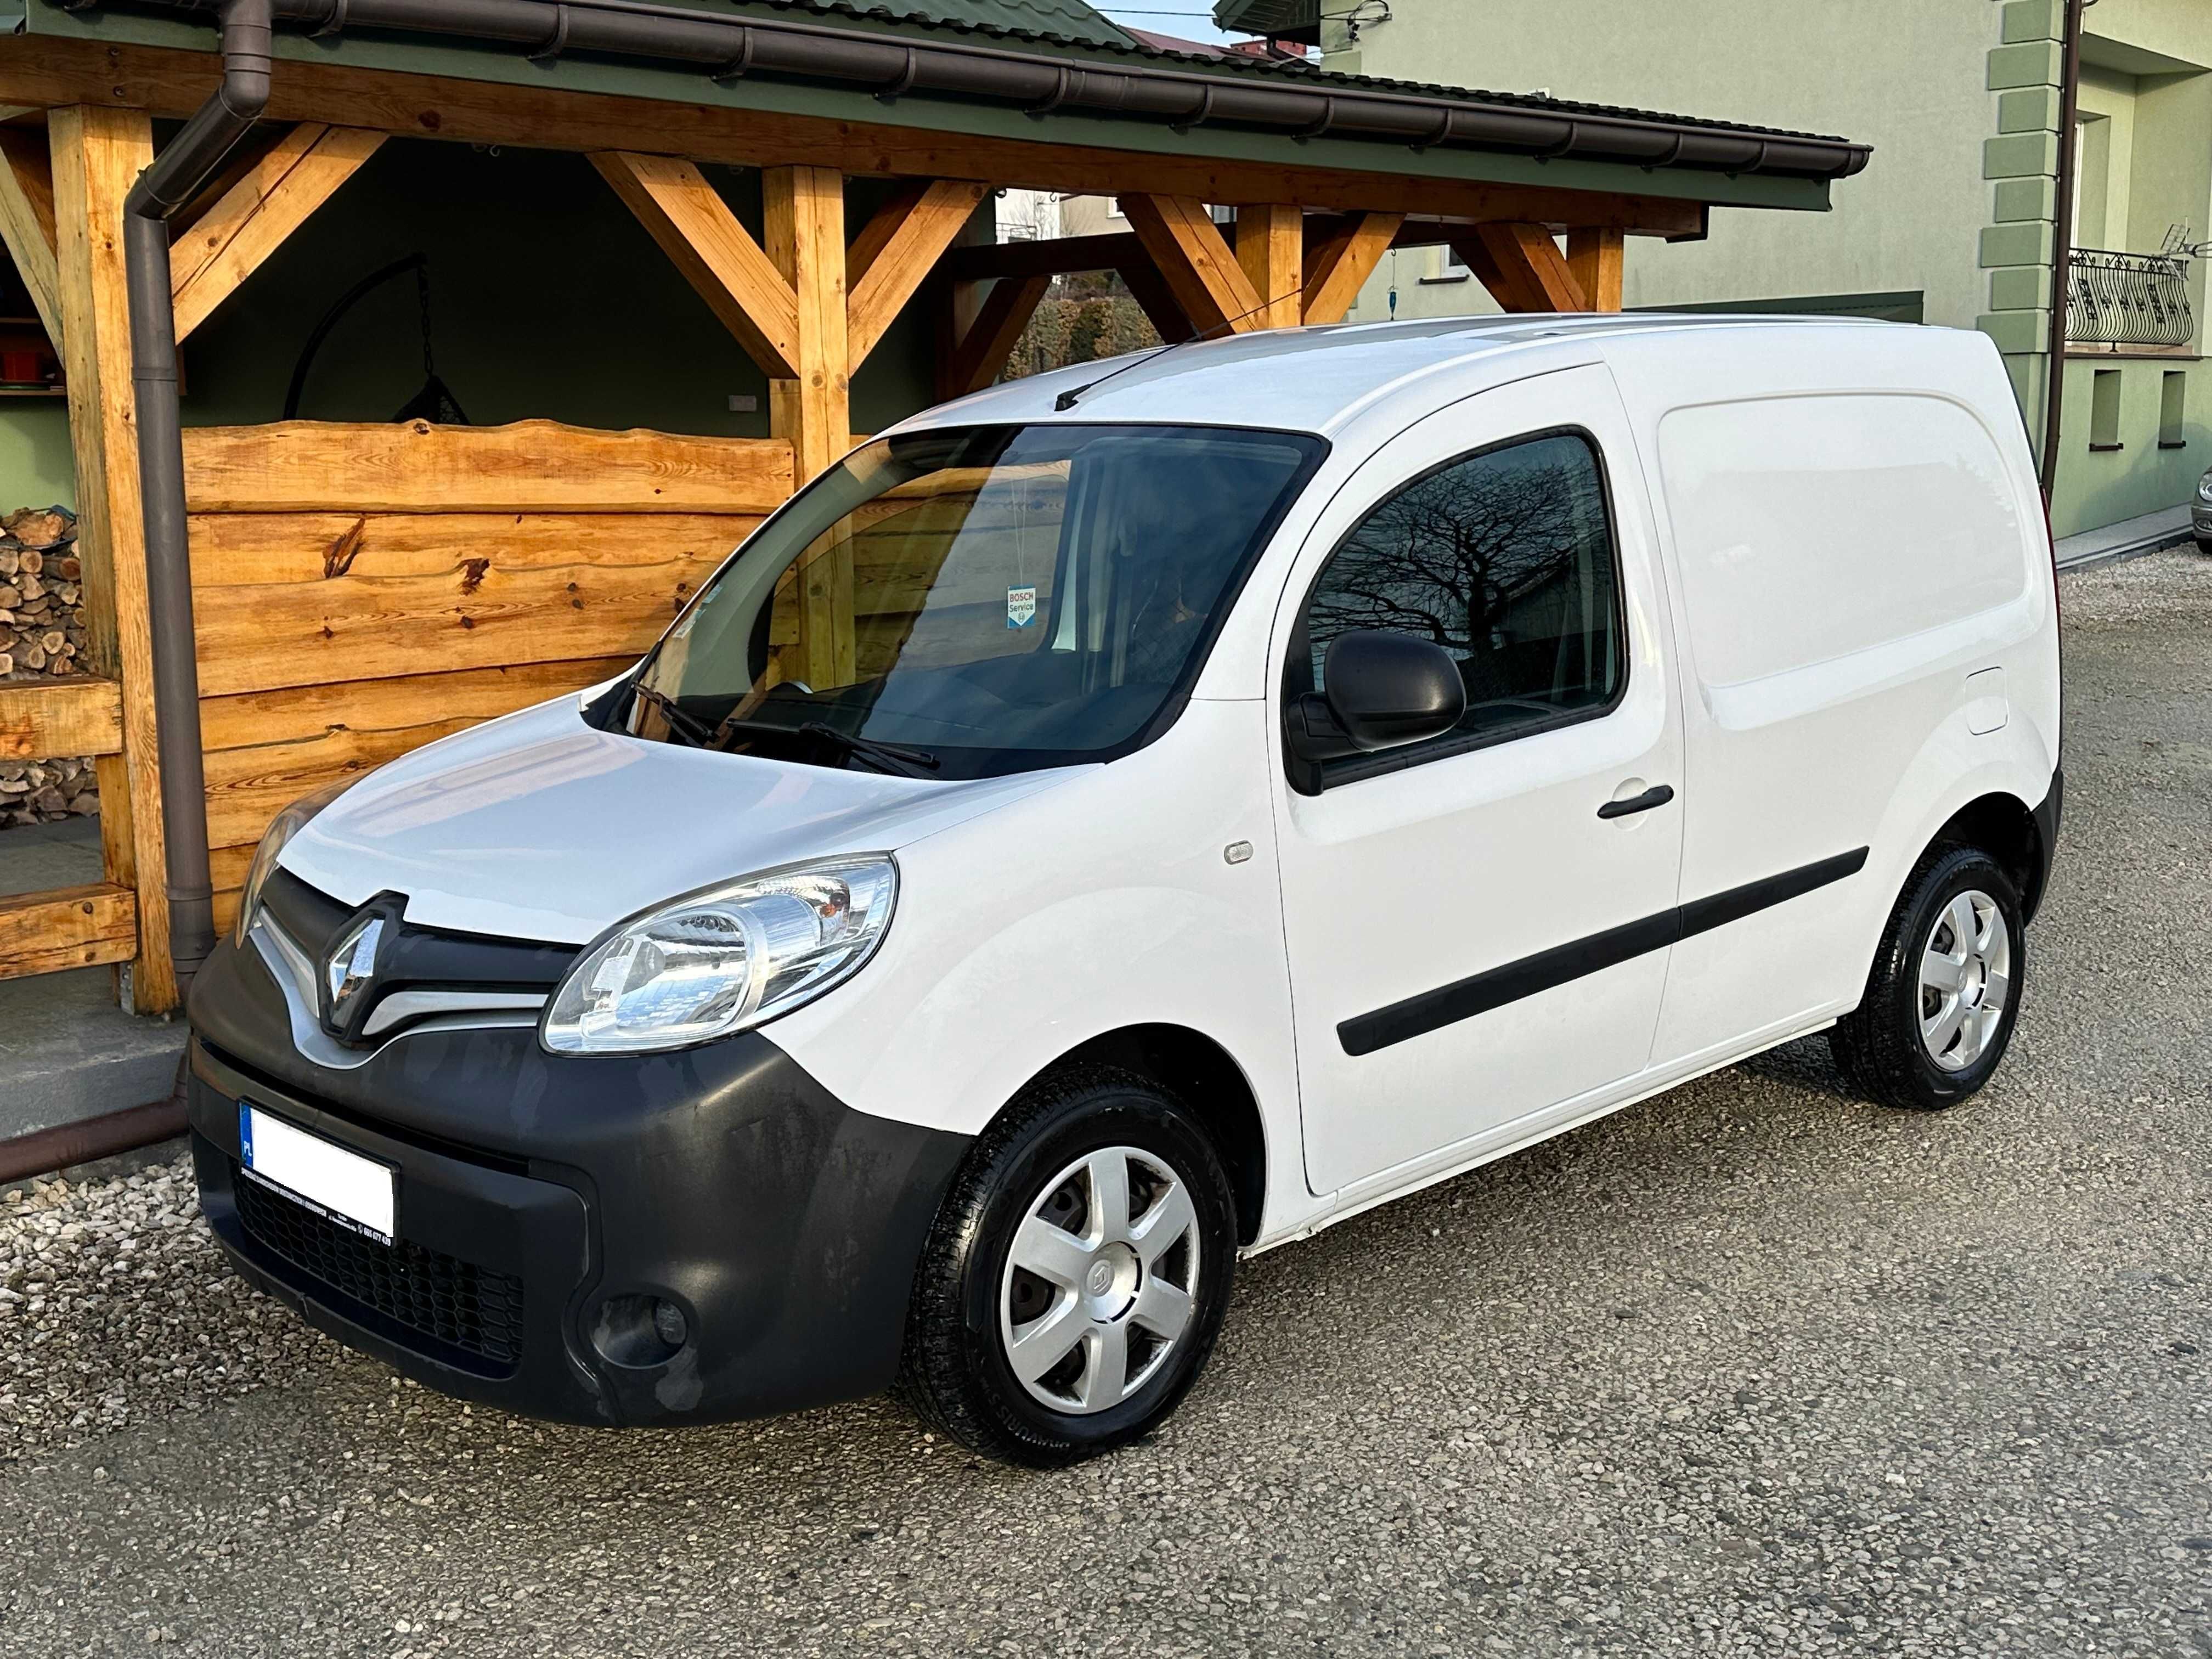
pixel 690 727
pixel 893 758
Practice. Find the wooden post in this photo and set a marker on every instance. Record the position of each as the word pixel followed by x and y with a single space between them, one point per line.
pixel 1271 247
pixel 1595 256
pixel 804 222
pixel 98 152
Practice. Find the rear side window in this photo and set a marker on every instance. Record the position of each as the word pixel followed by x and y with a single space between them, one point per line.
pixel 1505 559
pixel 1809 528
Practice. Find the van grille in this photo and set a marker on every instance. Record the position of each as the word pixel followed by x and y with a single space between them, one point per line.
pixel 455 1301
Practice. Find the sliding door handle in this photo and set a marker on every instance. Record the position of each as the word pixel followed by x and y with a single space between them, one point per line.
pixel 1657 795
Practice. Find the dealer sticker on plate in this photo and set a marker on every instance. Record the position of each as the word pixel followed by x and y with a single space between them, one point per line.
pixel 342 1186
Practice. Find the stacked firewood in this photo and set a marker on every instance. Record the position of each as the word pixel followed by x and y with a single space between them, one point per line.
pixel 42 635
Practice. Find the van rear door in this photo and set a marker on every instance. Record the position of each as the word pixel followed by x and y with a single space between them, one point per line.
pixel 1478 925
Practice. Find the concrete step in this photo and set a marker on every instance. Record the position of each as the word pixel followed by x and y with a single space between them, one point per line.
pixel 67 1051
pixel 2152 533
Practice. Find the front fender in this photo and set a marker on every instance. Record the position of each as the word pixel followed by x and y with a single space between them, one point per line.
pixel 1103 904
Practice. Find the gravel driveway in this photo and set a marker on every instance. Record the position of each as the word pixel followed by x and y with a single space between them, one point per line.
pixel 1748 1368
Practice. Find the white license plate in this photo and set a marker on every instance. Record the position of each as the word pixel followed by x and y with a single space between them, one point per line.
pixel 353 1191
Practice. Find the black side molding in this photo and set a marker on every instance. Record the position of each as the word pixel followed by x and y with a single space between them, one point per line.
pixel 1431 1010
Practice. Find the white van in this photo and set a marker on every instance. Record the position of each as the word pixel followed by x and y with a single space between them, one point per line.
pixel 1139 816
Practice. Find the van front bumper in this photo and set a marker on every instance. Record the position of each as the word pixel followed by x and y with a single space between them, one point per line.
pixel 540 1198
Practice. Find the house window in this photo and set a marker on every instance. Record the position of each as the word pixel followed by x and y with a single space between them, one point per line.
pixel 2173 402
pixel 2093 179
pixel 2105 410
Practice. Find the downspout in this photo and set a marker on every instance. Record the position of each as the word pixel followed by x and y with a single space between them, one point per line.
pixel 175 176
pixel 2062 244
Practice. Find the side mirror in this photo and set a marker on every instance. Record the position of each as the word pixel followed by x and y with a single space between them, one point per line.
pixel 1385 690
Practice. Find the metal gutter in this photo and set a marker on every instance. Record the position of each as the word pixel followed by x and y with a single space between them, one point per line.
pixel 176 174
pixel 1041 84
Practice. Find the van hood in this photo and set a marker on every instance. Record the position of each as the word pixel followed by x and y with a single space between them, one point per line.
pixel 537 826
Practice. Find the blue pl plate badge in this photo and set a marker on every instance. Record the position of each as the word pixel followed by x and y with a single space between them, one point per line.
pixel 1021 606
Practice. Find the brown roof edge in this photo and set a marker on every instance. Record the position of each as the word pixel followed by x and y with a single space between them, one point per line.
pixel 1043 82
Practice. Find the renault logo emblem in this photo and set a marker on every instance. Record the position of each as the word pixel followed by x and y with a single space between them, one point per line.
pixel 350 969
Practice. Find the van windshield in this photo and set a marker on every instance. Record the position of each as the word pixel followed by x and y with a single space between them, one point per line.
pixel 978 600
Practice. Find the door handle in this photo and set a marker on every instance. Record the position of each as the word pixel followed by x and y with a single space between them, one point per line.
pixel 1657 795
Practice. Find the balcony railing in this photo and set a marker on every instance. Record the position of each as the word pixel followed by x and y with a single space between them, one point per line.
pixel 2129 299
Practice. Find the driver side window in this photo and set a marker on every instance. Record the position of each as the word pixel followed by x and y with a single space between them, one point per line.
pixel 1504 558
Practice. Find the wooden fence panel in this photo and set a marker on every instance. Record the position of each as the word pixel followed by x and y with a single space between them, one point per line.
pixel 361 591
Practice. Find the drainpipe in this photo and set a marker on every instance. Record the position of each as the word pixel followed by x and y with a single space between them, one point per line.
pixel 2062 243
pixel 176 175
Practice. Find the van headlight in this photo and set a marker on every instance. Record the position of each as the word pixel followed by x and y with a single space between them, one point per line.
pixel 724 959
pixel 282 828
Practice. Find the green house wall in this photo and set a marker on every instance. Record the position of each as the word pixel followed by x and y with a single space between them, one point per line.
pixel 1960 98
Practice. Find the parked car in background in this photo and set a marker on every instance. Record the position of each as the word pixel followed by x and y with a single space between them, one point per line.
pixel 1255 782
pixel 2200 513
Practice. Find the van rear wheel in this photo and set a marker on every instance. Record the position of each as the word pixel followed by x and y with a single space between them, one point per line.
pixel 1944 993
pixel 1077 1273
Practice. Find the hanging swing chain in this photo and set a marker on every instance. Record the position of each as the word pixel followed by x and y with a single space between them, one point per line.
pixel 423 294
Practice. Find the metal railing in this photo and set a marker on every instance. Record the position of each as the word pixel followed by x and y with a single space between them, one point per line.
pixel 2129 299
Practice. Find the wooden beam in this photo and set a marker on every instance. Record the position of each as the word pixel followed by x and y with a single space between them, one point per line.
pixel 1186 246
pixel 67 927
pixel 229 243
pixel 896 252
pixel 1156 299
pixel 531 466
pixel 26 221
pixel 1342 264
pixel 1054 256
pixel 981 354
pixel 98 154
pixel 695 227
pixel 1595 255
pixel 45 70
pixel 1271 251
pixel 1526 271
pixel 42 719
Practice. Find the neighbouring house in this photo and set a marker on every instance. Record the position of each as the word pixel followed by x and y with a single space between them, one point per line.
pixel 1956 227
pixel 502 321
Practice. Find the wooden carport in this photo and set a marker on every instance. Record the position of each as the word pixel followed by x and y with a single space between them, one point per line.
pixel 359 589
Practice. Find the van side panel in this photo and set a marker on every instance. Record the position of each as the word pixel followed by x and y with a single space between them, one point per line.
pixel 1855 543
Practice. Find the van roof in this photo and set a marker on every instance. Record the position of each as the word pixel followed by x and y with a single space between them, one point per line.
pixel 1316 380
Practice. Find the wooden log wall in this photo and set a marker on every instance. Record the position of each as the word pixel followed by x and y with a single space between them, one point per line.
pixel 362 589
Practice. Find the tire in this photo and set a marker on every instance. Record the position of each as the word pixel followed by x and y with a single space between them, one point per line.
pixel 1885 1046
pixel 976 1297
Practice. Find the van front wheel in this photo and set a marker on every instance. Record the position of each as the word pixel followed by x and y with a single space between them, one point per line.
pixel 1077 1275
pixel 1944 994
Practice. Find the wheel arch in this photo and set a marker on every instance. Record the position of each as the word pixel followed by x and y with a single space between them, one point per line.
pixel 1206 1077
pixel 2005 827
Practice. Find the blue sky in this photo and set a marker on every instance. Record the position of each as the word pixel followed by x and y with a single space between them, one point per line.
pixel 1191 19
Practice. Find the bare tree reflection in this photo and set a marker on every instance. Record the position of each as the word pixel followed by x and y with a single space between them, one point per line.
pixel 1502 559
